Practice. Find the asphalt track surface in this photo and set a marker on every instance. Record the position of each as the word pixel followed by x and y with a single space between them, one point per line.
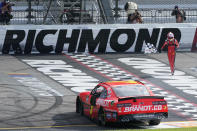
pixel 51 105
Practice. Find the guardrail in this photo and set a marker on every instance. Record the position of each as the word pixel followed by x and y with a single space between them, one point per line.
pixel 93 17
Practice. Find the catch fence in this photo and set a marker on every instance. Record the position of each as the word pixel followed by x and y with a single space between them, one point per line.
pixel 148 16
pixel 54 12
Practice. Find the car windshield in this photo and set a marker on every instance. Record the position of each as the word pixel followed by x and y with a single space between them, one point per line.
pixel 130 90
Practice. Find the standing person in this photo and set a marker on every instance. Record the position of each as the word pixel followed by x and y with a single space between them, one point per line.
pixel 5 11
pixel 133 15
pixel 172 44
pixel 180 14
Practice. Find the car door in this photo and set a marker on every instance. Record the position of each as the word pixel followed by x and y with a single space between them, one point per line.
pixel 94 96
pixel 88 101
pixel 100 101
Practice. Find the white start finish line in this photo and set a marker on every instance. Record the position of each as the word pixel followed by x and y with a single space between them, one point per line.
pixel 158 70
pixel 65 74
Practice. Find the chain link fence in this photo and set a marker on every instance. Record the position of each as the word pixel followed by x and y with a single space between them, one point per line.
pixel 54 11
pixel 30 12
pixel 160 4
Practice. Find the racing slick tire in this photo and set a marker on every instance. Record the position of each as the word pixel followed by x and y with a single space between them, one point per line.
pixel 102 118
pixel 79 107
pixel 154 122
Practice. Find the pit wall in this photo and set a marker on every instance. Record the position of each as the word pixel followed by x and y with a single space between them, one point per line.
pixel 93 38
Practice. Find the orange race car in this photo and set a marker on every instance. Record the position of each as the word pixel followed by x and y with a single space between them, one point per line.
pixel 122 101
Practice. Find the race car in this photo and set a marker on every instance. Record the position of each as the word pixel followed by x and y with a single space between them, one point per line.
pixel 122 102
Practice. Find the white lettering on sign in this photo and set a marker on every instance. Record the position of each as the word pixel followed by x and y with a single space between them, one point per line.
pixel 156 69
pixel 143 108
pixel 65 74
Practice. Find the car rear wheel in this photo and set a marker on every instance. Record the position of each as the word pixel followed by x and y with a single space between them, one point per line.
pixel 154 122
pixel 102 118
pixel 81 109
pixel 77 105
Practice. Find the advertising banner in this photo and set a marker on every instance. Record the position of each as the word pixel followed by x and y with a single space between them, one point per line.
pixel 30 39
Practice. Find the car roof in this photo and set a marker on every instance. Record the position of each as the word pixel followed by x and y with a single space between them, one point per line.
pixel 115 83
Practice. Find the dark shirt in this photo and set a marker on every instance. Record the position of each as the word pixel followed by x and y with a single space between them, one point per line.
pixel 178 12
pixel 2 4
pixel 134 18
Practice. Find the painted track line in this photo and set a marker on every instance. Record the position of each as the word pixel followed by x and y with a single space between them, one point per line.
pixel 85 61
pixel 45 127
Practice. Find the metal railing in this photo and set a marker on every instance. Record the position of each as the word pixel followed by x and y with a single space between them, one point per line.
pixel 148 15
pixel 160 16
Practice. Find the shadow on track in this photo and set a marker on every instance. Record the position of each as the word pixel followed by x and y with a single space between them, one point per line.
pixel 73 121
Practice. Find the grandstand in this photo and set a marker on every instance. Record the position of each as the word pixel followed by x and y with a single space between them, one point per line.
pixel 97 11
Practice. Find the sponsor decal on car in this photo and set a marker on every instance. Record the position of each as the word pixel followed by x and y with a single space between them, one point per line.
pixel 109 91
pixel 143 108
pixel 103 102
pixel 112 103
pixel 91 109
pixel 108 96
pixel 87 98
pixel 108 115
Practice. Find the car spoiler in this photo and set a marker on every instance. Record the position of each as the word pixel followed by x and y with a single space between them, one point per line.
pixel 141 97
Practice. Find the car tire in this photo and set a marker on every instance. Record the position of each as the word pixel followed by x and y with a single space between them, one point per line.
pixel 154 122
pixel 81 109
pixel 101 118
pixel 77 105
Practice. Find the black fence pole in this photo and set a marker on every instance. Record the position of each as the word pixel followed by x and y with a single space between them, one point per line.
pixel 80 17
pixel 29 10
pixel 116 9
pixel 48 9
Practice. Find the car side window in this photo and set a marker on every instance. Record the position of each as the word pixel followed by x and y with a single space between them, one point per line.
pixel 97 90
pixel 103 94
pixel 94 90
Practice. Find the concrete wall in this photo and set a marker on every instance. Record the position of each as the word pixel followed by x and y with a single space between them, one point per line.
pixel 93 38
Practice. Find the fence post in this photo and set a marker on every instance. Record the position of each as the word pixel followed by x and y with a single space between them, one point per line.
pixel 29 9
pixel 48 8
pixel 116 10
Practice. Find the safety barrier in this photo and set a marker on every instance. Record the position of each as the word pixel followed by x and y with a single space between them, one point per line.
pixel 122 38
